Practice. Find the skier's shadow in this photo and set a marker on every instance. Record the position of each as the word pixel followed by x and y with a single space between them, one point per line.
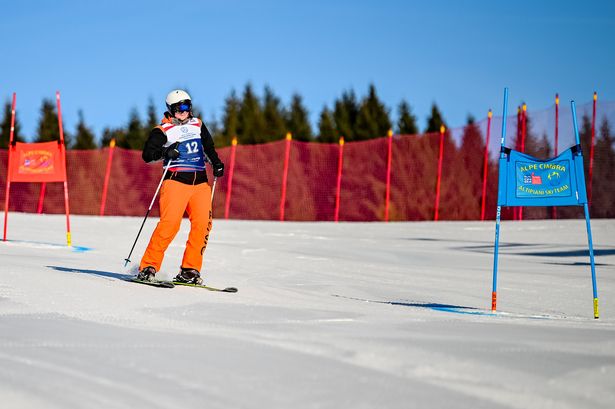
pixel 92 272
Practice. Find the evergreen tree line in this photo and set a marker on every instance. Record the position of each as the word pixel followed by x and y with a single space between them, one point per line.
pixel 249 117
pixel 463 163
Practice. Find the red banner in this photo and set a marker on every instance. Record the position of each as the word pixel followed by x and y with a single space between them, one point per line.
pixel 37 162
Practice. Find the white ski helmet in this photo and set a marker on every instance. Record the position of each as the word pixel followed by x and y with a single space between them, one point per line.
pixel 178 99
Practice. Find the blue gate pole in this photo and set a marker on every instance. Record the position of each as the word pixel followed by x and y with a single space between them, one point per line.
pixel 589 229
pixel 499 210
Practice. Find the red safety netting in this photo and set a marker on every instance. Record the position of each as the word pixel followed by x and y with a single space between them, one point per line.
pixel 311 179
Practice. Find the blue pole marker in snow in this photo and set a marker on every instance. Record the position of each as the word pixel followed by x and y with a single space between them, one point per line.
pixel 499 209
pixel 528 181
pixel 586 210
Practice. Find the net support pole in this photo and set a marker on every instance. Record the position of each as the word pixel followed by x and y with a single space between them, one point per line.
pixel 485 167
pixel 387 195
pixel 285 175
pixel 8 173
pixel 587 222
pixel 41 198
pixel 63 150
pixel 494 290
pixel 103 200
pixel 591 150
pixel 439 177
pixel 338 187
pixel 523 135
pixel 229 182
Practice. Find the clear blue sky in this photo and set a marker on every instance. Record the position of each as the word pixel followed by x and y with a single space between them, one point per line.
pixel 109 57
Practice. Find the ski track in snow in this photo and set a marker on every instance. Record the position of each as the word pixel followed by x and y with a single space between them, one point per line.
pixel 348 315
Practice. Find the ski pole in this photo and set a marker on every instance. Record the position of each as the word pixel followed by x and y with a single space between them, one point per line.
pixel 166 168
pixel 213 189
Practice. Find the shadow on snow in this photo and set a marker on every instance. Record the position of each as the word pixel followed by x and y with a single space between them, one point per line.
pixel 92 272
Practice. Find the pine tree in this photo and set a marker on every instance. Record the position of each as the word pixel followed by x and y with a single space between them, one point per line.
pixel 373 118
pixel 468 170
pixel 119 134
pixel 435 120
pixel 214 129
pixel 250 119
pixel 603 192
pixel 585 135
pixel 406 124
pixel 230 120
pixel 5 128
pixel 543 150
pixel 297 122
pixel 326 127
pixel 152 117
pixel 533 145
pixel 345 115
pixel 48 128
pixel 275 126
pixel 84 137
pixel 135 134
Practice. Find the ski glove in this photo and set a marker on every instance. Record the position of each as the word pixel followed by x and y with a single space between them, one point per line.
pixel 172 151
pixel 218 169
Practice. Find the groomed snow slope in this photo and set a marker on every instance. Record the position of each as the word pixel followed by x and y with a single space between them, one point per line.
pixel 349 315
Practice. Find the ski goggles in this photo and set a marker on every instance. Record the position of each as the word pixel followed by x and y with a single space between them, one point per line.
pixel 182 106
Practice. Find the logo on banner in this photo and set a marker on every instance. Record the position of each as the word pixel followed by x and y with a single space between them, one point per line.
pixel 554 178
pixel 543 179
pixel 36 162
pixel 532 179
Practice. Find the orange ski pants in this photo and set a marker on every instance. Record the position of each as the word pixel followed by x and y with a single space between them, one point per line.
pixel 175 198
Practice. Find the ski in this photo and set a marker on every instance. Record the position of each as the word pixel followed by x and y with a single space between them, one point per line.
pixel 171 284
pixel 206 287
pixel 161 284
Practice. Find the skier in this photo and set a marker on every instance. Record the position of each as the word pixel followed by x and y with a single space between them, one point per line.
pixel 183 141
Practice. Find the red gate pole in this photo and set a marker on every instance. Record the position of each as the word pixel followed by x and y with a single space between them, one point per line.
pixel 523 133
pixel 516 208
pixel 41 198
pixel 8 173
pixel 388 184
pixel 437 204
pixel 229 183
pixel 485 167
pixel 591 150
pixel 63 151
pixel 556 123
pixel 289 138
pixel 338 189
pixel 103 201
pixel 523 129
pixel 556 139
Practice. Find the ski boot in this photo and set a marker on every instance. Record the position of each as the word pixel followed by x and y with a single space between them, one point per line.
pixel 189 276
pixel 147 274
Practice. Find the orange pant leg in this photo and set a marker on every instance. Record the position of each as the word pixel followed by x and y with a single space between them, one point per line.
pixel 174 198
pixel 199 212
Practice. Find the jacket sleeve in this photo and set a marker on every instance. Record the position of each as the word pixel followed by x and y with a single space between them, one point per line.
pixel 153 148
pixel 208 145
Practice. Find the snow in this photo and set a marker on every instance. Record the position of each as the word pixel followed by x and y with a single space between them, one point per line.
pixel 348 315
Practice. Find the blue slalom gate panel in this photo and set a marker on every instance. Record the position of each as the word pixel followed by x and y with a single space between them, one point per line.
pixel 527 181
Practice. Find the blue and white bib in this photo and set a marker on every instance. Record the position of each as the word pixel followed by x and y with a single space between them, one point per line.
pixel 191 156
